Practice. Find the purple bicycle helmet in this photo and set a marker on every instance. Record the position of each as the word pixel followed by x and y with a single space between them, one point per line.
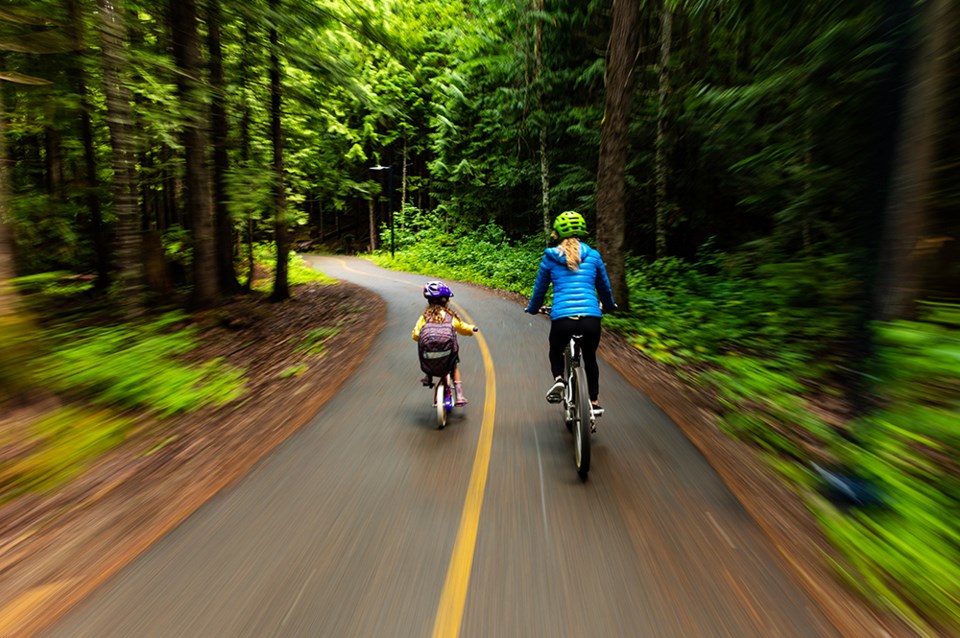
pixel 437 290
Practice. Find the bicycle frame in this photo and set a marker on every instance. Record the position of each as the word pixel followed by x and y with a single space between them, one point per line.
pixel 571 361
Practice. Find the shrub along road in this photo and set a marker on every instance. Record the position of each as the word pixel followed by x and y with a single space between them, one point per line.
pixel 371 522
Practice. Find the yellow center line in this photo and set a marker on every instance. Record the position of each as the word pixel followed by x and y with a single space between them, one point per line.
pixel 454 595
pixel 453 598
pixel 373 274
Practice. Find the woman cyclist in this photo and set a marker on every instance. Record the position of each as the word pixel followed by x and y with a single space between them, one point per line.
pixel 578 274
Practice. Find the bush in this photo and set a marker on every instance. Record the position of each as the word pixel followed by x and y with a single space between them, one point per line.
pixel 58 447
pixel 298 271
pixel 131 366
pixel 484 255
pixel 909 551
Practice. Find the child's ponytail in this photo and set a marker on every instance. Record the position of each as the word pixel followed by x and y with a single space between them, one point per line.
pixel 434 313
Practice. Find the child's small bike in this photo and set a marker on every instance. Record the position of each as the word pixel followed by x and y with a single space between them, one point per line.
pixel 444 399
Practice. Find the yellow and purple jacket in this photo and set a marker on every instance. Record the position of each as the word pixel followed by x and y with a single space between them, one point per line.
pixel 461 327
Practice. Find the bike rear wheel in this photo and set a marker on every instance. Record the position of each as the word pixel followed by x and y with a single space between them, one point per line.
pixel 581 425
pixel 440 397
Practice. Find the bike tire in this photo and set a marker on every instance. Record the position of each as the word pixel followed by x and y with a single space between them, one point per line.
pixel 440 399
pixel 581 433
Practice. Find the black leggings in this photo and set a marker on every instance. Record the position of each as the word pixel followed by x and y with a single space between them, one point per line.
pixel 560 332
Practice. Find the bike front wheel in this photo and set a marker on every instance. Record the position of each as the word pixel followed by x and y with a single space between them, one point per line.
pixel 581 425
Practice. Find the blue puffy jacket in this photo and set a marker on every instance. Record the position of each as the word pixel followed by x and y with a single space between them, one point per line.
pixel 574 291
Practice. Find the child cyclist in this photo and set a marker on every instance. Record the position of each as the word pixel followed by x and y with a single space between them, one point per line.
pixel 439 326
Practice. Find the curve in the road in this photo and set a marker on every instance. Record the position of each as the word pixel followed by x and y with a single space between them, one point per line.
pixel 368 522
pixel 454 594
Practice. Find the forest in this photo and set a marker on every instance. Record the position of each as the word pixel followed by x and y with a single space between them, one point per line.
pixel 774 188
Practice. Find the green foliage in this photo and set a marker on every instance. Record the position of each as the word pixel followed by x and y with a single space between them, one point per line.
pixel 58 447
pixel 17 349
pixel 313 343
pixel 293 371
pixel 298 271
pixel 53 284
pixel 46 233
pixel 695 313
pixel 177 245
pixel 910 550
pixel 131 366
pixel 483 255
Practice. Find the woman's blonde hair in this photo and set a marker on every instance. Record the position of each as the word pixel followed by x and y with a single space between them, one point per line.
pixel 434 312
pixel 570 249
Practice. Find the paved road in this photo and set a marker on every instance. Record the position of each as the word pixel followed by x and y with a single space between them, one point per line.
pixel 371 522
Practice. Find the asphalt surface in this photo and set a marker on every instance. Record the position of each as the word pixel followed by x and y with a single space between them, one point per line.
pixel 372 522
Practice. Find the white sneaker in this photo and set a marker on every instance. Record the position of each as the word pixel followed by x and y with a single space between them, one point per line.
pixel 596 412
pixel 555 394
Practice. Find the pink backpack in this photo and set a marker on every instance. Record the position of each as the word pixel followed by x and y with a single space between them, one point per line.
pixel 437 347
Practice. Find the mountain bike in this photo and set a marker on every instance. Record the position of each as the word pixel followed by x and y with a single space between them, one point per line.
pixel 577 411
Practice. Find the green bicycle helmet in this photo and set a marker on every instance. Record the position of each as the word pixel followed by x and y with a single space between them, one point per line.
pixel 569 224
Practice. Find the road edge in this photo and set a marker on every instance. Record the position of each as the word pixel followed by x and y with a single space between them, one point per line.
pixel 849 614
pixel 43 605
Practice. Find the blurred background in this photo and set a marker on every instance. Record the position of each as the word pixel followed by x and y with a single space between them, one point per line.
pixel 775 188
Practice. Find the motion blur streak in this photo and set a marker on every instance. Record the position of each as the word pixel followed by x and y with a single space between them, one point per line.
pixel 454 596
pixel 13 613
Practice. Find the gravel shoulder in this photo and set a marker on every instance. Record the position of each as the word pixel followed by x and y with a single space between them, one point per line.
pixel 55 548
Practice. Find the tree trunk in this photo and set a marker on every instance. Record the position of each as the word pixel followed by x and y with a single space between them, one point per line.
pixel 54 157
pixel 8 296
pixel 663 135
pixel 373 227
pixel 544 160
pixel 908 211
pixel 403 179
pixel 281 287
pixel 186 51
pixel 113 35
pixel 226 273
pixel 246 118
pixel 170 209
pixel 545 184
pixel 90 181
pixel 611 187
pixel 18 342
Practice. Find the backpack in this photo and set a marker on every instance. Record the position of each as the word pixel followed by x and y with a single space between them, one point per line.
pixel 437 347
